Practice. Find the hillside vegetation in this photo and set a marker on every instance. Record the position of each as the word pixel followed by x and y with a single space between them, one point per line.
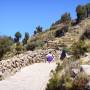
pixel 65 33
pixel 62 33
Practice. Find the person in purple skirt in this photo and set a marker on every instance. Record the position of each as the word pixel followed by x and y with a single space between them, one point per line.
pixel 49 57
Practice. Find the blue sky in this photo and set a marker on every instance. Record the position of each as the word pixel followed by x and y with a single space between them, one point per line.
pixel 25 15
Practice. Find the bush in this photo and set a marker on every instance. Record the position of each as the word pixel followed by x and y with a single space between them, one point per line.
pixel 30 47
pixel 19 48
pixel 39 43
pixel 80 82
pixel 86 34
pixel 66 18
pixel 53 83
pixel 26 37
pixel 60 83
pixel 5 45
pixel 38 30
pixel 78 49
pixel 61 32
pixel 83 11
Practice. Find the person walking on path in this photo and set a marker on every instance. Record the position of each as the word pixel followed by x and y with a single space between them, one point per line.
pixel 49 57
pixel 63 54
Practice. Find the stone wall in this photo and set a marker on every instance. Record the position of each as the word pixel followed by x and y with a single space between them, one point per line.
pixel 11 66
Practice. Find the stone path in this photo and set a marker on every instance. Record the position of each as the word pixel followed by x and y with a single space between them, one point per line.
pixel 33 77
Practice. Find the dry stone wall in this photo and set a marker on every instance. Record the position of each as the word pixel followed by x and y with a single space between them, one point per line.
pixel 11 66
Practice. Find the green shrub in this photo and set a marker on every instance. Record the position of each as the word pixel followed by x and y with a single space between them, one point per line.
pixel 78 49
pixel 80 82
pixel 61 32
pixel 19 48
pixel 83 11
pixel 30 47
pixel 53 83
pixel 59 67
pixel 60 83
pixel 66 18
pixel 26 37
pixel 5 45
pixel 86 34
pixel 39 43
pixel 38 30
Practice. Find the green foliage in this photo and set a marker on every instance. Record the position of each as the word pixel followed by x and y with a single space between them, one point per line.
pixel 59 67
pixel 39 43
pixel 80 81
pixel 53 83
pixel 88 9
pixel 19 48
pixel 78 49
pixel 27 35
pixel 30 46
pixel 58 82
pixel 25 38
pixel 56 23
pixel 86 34
pixel 1 77
pixel 17 37
pixel 66 18
pixel 39 29
pixel 5 44
pixel 35 32
pixel 66 82
pixel 83 11
pixel 61 32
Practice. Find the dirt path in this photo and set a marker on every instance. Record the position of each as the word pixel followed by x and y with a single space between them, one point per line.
pixel 33 77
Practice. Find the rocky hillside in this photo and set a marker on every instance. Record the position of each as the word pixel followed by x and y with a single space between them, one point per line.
pixel 49 40
pixel 72 35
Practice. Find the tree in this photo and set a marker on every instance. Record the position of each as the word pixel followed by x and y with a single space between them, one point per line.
pixel 27 35
pixel 17 37
pixel 88 9
pixel 66 18
pixel 38 29
pixel 81 12
pixel 35 32
pixel 26 38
